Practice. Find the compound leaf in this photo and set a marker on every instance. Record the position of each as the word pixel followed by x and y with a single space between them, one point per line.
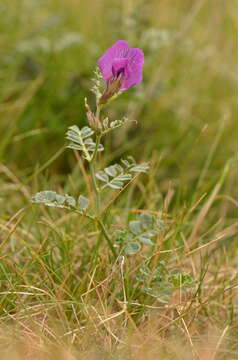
pixel 51 198
pixel 80 139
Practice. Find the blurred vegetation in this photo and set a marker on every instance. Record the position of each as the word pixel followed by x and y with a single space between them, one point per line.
pixel 185 106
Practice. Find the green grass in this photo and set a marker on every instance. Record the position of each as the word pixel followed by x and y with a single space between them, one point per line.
pixel 61 296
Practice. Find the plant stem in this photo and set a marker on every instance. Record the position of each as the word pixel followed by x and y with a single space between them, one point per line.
pixel 98 110
pixel 92 167
pixel 97 191
pixel 107 237
pixel 94 182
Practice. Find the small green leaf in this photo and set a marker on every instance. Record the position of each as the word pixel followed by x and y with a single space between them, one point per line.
pixel 86 132
pixel 116 185
pixel 105 122
pixel 124 177
pixel 69 200
pixel 101 175
pixel 100 147
pixel 135 227
pixel 113 124
pixel 111 170
pixel 145 240
pixel 51 198
pixel 140 168
pixel 147 221
pixel 75 147
pixel 60 199
pixel 132 248
pixel 119 168
pixel 83 202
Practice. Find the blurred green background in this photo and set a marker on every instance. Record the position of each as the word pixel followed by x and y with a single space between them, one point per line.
pixel 186 108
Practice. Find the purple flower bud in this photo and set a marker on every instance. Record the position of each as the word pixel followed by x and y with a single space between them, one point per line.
pixel 121 67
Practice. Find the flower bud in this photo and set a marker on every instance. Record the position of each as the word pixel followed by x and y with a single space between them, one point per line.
pixel 93 121
pixel 112 88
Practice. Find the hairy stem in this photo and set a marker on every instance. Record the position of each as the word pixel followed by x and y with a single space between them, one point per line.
pixel 92 167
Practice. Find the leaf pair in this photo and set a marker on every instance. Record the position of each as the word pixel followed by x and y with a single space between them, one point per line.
pixel 116 175
pixel 81 140
pixel 51 198
pixel 162 282
pixel 109 126
pixel 140 232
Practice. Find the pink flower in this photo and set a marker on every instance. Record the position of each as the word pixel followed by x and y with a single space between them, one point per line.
pixel 121 67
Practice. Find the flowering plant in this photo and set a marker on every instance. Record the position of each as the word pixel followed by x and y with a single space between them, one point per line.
pixel 121 68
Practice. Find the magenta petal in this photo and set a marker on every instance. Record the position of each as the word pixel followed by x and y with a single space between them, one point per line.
pixel 135 64
pixel 118 50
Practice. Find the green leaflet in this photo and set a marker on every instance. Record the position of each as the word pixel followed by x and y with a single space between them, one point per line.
pixel 52 199
pixel 115 176
pixel 83 202
pixel 109 126
pixel 161 282
pixel 139 232
pixel 80 139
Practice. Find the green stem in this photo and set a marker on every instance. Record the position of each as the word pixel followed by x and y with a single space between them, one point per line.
pixel 92 167
pixel 98 110
pixel 107 237
pixel 94 182
pixel 97 191
pixel 98 138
